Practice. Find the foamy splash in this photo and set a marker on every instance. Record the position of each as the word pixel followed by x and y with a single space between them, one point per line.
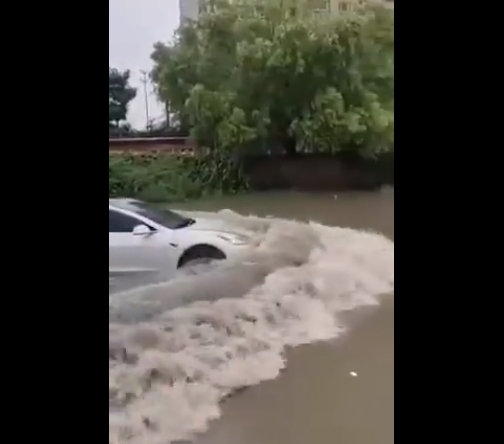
pixel 177 348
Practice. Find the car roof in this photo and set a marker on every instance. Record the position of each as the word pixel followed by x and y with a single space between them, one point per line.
pixel 125 203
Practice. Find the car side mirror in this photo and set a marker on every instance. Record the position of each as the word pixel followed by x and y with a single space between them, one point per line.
pixel 142 230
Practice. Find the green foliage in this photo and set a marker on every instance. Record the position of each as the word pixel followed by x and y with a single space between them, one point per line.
pixel 163 177
pixel 260 73
pixel 120 94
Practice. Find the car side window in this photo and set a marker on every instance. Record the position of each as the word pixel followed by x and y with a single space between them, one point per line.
pixel 121 223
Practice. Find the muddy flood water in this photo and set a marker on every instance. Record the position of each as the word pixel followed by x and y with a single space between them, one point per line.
pixel 292 345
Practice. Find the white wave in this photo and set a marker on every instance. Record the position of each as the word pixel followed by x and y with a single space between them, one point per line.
pixel 177 348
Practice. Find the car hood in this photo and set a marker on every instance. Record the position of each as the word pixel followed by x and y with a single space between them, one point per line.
pixel 221 226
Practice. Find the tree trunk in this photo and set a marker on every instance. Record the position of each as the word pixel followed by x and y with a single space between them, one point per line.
pixel 289 144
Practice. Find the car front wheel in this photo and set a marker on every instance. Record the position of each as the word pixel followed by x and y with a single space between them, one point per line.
pixel 200 258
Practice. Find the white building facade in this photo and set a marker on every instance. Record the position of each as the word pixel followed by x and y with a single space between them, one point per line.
pixel 189 9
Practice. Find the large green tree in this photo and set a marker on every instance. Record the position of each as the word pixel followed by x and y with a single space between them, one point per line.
pixel 268 73
pixel 120 94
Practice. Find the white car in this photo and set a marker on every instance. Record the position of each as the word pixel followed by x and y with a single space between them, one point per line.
pixel 145 239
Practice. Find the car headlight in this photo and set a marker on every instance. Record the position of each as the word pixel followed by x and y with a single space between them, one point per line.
pixel 235 239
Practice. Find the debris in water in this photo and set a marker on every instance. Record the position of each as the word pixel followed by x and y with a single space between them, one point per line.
pixel 335 196
pixel 353 374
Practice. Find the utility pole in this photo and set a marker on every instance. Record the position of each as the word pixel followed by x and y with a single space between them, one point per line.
pixel 167 112
pixel 145 80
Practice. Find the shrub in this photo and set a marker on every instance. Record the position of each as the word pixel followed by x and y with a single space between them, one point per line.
pixel 164 177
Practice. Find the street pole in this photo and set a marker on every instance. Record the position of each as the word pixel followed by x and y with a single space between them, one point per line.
pixel 167 111
pixel 144 81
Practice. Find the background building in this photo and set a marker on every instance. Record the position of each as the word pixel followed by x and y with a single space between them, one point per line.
pixel 189 9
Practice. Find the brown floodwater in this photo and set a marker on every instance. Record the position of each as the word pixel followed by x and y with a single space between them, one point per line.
pixel 317 400
pixel 337 390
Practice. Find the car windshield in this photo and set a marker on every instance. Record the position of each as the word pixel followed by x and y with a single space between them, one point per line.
pixel 166 218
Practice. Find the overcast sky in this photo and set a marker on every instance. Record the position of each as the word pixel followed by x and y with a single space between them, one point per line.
pixel 134 26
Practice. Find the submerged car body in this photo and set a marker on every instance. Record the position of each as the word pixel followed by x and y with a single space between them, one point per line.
pixel 145 239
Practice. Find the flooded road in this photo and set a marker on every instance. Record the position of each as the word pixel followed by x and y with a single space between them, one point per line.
pixel 230 329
